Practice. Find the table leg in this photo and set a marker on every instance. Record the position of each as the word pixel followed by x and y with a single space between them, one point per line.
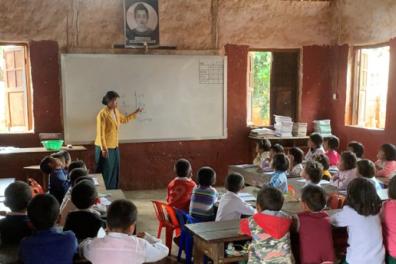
pixel 198 254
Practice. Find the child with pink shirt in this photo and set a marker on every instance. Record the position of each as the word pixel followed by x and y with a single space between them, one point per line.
pixel 388 216
pixel 331 145
pixel 386 163
pixel 347 171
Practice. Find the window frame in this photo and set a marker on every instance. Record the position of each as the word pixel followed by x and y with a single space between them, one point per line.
pixel 299 84
pixel 352 102
pixel 28 90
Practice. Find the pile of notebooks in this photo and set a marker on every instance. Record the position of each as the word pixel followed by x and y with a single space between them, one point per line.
pixel 300 129
pixel 323 127
pixel 283 126
pixel 262 132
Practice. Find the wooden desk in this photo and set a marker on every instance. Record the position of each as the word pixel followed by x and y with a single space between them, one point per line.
pixel 251 174
pixel 209 239
pixel 298 185
pixel 41 150
pixel 13 161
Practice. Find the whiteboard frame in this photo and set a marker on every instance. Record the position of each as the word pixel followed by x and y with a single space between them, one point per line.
pixel 225 103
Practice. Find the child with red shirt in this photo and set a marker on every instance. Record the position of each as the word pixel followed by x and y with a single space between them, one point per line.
pixel 269 229
pixel 181 187
pixel 313 225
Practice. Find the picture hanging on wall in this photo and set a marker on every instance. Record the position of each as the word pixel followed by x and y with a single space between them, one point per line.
pixel 141 23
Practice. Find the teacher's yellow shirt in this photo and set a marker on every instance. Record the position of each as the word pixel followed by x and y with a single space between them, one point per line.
pixel 107 125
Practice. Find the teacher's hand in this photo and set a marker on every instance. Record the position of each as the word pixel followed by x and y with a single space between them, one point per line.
pixel 105 153
pixel 139 110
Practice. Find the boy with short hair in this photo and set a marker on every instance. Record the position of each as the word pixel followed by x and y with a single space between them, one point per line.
pixel 204 196
pixel 67 204
pixel 59 183
pixel 47 245
pixel 84 222
pixel 231 206
pixel 77 164
pixel 16 225
pixel 269 229
pixel 180 188
pixel 312 173
pixel 119 245
pixel 313 225
pixel 357 148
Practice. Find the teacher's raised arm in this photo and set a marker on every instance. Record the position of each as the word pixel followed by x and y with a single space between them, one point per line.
pixel 107 154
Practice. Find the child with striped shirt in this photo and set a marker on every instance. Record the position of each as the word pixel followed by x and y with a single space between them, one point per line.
pixel 204 196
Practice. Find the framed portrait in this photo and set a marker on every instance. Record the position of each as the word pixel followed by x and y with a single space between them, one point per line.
pixel 141 23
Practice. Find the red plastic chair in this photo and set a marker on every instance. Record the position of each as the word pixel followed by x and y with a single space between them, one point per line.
pixel 336 201
pixel 167 218
pixel 35 187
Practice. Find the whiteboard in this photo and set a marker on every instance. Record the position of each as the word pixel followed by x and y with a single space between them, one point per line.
pixel 183 96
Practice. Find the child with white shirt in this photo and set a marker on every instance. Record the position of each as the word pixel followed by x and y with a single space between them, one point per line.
pixel 231 206
pixel 119 245
pixel 361 216
pixel 315 145
pixel 312 173
pixel 347 171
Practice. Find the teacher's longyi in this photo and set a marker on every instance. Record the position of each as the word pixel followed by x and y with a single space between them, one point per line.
pixel 107 154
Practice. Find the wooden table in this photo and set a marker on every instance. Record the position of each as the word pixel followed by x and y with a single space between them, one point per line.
pixel 209 239
pixel 252 174
pixel 299 183
pixel 12 161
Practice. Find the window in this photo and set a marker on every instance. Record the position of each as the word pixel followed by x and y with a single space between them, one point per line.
pixel 15 89
pixel 272 86
pixel 369 87
pixel 259 88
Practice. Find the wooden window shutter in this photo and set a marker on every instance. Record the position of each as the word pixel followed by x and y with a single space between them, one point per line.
pixel 250 88
pixel 363 71
pixel 16 93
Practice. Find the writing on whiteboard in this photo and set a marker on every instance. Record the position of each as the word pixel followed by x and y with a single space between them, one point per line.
pixel 211 72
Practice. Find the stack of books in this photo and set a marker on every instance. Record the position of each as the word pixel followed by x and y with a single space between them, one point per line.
pixel 323 127
pixel 283 126
pixel 262 132
pixel 300 129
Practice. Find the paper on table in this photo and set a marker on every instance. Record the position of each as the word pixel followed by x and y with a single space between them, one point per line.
pixel 101 233
pixel 95 180
pixel 245 166
pixel 104 201
pixel 320 183
pixel 247 197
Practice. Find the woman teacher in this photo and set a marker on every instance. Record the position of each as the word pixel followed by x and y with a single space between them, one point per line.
pixel 107 154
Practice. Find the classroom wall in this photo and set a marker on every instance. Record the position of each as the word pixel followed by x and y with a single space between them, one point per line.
pixel 361 22
pixel 372 139
pixel 192 24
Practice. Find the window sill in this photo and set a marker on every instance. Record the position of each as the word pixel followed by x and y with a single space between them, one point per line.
pixel 366 128
pixel 17 133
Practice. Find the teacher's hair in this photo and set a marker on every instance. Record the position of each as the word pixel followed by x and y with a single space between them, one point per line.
pixel 109 96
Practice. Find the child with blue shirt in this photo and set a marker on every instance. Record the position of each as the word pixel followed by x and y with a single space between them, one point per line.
pixel 47 244
pixel 366 169
pixel 280 164
pixel 58 182
pixel 204 196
